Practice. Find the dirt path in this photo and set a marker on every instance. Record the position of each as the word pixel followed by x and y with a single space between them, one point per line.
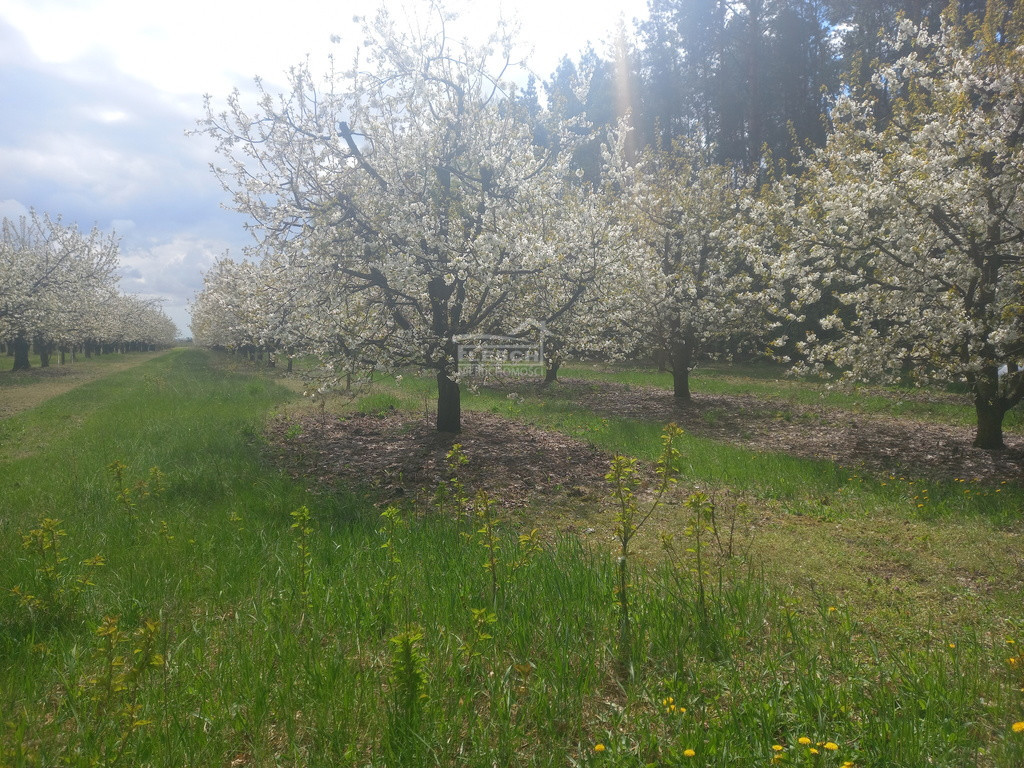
pixel 22 390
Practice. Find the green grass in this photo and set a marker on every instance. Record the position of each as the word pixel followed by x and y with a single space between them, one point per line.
pixel 7 365
pixel 802 486
pixel 377 642
pixel 7 361
pixel 771 381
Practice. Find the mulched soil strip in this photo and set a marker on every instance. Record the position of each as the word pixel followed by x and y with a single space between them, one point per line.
pixel 878 445
pixel 401 456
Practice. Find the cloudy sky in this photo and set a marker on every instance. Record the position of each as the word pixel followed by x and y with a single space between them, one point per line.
pixel 97 96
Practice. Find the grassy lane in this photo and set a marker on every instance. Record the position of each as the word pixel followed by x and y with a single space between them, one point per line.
pixel 180 602
pixel 27 389
pixel 173 552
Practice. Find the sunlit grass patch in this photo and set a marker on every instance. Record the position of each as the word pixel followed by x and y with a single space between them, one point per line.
pixel 26 389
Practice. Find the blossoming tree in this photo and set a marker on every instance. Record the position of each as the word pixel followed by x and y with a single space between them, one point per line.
pixel 53 279
pixel 912 217
pixel 683 284
pixel 411 182
pixel 125 322
pixel 275 307
pixel 570 299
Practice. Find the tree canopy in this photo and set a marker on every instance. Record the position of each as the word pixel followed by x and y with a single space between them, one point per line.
pixel 912 217
pixel 413 179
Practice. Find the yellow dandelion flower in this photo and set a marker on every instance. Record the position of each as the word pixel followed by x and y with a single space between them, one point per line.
pixel 803 740
pixel 813 751
pixel 1012 662
pixel 599 747
pixel 689 753
pixel 831 746
pixel 777 747
pixel 952 645
pixel 1018 727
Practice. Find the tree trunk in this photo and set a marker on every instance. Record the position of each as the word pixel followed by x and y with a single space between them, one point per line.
pixel 21 362
pixel 444 317
pixel 681 360
pixel 990 406
pixel 661 358
pixel 990 426
pixel 681 385
pixel 449 404
pixel 289 364
pixel 44 348
pixel 989 434
pixel 551 370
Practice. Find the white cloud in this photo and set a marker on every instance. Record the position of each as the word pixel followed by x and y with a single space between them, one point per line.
pixel 12 209
pixel 171 268
pixel 200 46
pixel 97 171
pixel 191 47
pixel 109 115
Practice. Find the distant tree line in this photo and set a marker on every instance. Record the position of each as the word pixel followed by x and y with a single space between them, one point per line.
pixel 752 78
pixel 59 295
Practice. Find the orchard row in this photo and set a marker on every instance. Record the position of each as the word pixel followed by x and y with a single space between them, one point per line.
pixel 58 293
pixel 417 198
